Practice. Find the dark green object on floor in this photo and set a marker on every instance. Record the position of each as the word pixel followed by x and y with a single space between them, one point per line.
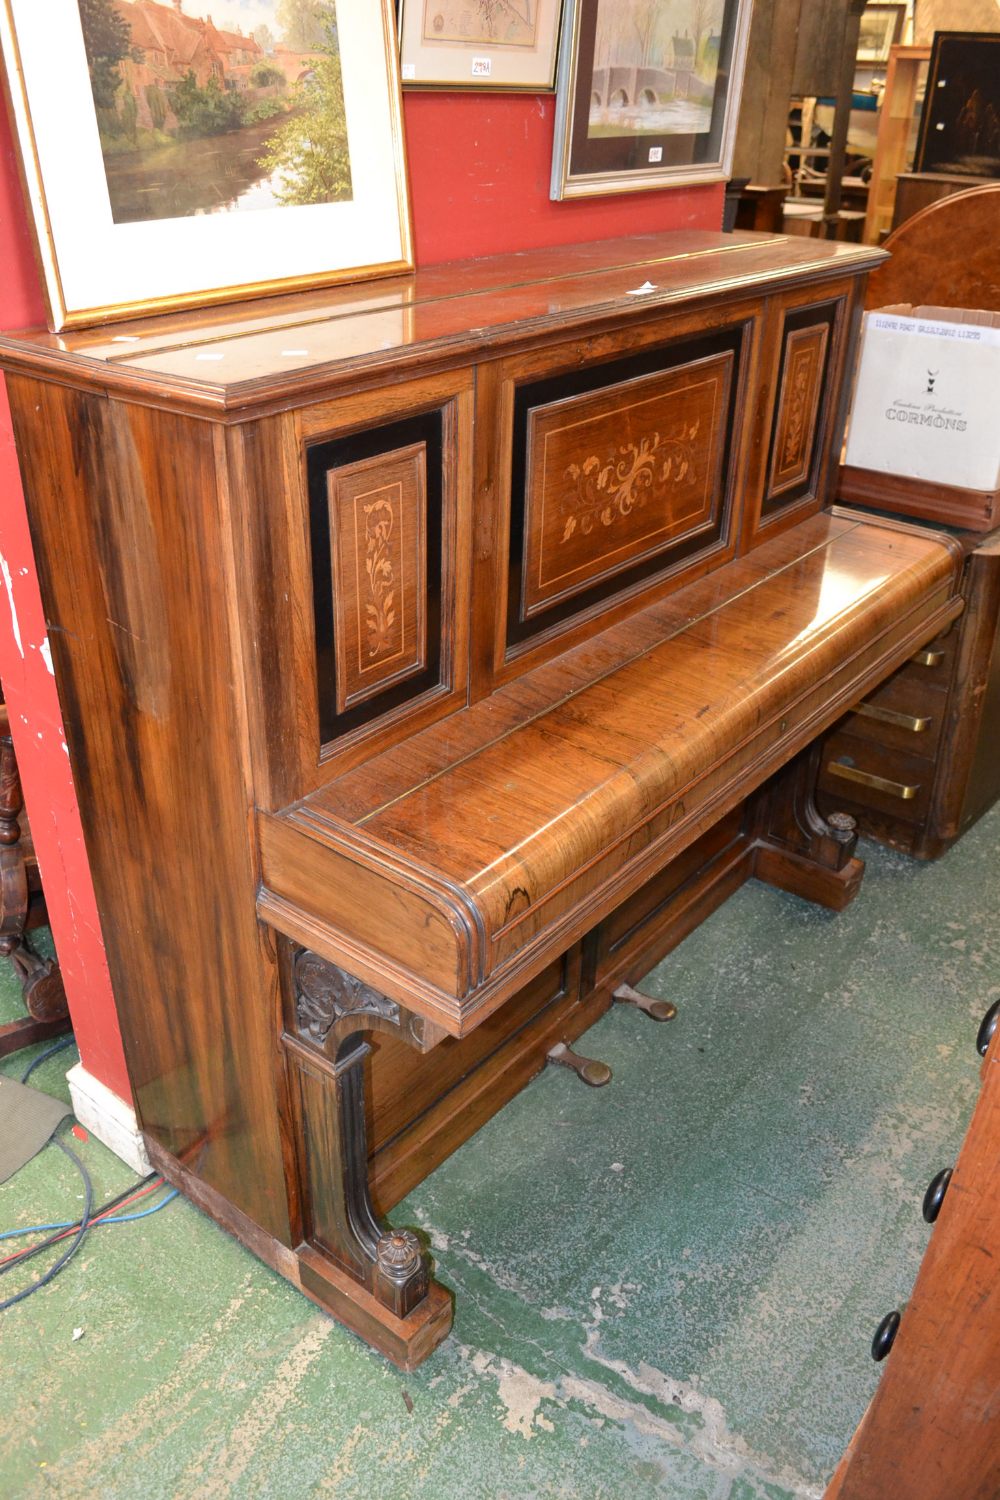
pixel 666 1288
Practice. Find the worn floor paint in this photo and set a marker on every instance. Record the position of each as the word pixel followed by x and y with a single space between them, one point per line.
pixel 666 1288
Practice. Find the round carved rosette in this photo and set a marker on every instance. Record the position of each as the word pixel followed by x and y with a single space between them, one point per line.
pixel 399 1254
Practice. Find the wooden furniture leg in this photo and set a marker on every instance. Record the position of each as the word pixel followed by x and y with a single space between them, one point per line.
pixel 41 981
pixel 375 1280
pixel 797 848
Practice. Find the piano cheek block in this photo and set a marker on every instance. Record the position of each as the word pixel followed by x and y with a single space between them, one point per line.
pixel 482 656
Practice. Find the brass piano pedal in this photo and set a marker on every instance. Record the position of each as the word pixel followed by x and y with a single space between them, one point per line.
pixel 596 1074
pixel 656 1010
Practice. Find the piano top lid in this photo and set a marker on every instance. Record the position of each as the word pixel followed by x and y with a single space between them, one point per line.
pixel 475 852
pixel 230 358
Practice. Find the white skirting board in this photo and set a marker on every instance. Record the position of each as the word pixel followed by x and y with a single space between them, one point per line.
pixel 109 1118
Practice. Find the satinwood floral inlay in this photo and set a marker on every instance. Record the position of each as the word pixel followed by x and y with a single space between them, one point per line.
pixel 380 612
pixel 609 488
pixel 792 451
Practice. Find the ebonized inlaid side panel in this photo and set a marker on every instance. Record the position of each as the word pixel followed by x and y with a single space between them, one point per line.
pixel 375 512
pixel 801 412
pixel 619 473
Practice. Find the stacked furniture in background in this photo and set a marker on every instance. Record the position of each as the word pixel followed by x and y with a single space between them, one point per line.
pixel 917 762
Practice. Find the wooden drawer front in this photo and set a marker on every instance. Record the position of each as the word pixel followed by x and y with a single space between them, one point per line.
pixel 801 410
pixel 404 1085
pixel 377 518
pixel 628 924
pixel 906 713
pixel 619 473
pixel 877 777
pixel 935 663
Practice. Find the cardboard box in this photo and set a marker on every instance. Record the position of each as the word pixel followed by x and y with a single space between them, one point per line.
pixel 925 425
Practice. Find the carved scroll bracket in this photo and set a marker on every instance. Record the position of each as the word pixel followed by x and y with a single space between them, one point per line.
pixel 331 1004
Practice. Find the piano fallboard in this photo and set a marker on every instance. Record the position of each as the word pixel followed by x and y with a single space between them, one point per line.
pixel 452 869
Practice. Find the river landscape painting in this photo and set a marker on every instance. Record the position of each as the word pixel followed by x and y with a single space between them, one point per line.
pixel 655 66
pixel 239 107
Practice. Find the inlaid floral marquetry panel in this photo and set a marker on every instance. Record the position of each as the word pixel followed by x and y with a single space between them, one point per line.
pixel 620 473
pixel 798 407
pixel 378 515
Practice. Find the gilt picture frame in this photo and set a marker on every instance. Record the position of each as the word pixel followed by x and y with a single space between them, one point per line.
pixel 648 94
pixel 479 44
pixel 218 149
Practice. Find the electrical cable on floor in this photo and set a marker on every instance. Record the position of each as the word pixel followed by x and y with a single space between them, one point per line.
pixel 77 1240
pixel 60 1046
pixel 120 1200
pixel 97 1220
pixel 77 1228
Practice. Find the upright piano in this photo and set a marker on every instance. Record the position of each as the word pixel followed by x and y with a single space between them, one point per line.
pixel 434 654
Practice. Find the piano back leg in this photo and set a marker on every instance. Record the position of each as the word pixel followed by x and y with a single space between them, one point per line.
pixel 799 850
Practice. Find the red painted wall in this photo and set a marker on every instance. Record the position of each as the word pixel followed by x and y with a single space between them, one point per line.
pixel 479 175
pixel 30 690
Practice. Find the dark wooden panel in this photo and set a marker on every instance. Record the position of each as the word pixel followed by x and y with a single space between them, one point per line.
pixel 894 782
pixel 376 510
pixel 378 534
pixel 619 474
pixel 630 925
pixel 802 412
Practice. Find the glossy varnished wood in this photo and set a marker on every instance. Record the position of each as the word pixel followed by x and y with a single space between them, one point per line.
pixel 524 837
pixel 925 268
pixel 331 650
pixel 232 361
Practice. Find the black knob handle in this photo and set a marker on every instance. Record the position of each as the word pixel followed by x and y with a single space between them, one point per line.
pixel 987 1027
pixel 885 1336
pixel 934 1196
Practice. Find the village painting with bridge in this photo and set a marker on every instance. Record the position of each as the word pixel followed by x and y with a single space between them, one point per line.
pixel 655 67
pixel 240 107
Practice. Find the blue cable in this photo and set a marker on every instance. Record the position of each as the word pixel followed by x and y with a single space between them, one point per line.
pixel 11 1234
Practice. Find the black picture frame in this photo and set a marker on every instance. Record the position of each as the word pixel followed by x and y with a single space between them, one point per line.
pixel 960 120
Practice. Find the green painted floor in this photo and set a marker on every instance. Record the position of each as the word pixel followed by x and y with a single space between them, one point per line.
pixel 665 1288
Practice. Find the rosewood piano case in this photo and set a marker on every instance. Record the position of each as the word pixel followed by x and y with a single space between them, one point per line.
pixel 435 654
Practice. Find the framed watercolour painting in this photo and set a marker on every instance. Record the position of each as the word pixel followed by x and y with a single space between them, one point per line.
pixel 648 93
pixel 960 121
pixel 181 152
pixel 483 44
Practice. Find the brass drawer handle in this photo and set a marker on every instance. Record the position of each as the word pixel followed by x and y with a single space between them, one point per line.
pixel 877 783
pixel 928 658
pixel 894 717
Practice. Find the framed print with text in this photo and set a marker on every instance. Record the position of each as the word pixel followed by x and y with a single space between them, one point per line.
pixel 648 94
pixel 183 152
pixel 482 44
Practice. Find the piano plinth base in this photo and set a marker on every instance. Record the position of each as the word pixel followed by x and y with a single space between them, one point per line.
pixel 405 1341
pixel 801 876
